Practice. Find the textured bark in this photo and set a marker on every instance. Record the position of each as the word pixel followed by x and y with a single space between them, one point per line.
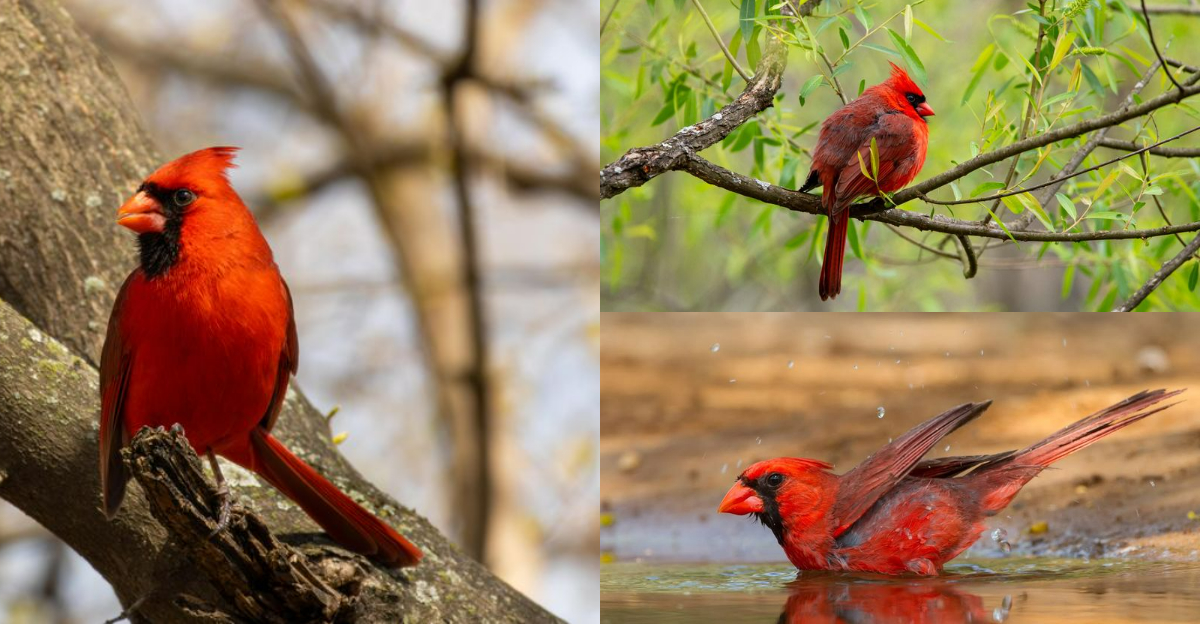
pixel 70 150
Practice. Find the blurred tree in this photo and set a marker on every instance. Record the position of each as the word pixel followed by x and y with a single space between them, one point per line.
pixel 71 145
pixel 1042 88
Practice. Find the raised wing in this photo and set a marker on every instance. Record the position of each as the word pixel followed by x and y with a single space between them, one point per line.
pixel 115 361
pixel 289 361
pixel 947 467
pixel 883 470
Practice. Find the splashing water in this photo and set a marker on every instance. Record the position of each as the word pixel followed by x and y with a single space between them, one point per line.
pixel 716 347
pixel 879 412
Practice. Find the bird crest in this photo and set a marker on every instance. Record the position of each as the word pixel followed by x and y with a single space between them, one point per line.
pixel 900 81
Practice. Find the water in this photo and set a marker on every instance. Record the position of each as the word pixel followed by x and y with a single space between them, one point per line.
pixel 1013 590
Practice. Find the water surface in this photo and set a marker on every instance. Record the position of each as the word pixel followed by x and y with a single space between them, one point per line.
pixel 1013 590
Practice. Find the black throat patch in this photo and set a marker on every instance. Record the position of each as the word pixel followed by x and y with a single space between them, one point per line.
pixel 769 517
pixel 159 251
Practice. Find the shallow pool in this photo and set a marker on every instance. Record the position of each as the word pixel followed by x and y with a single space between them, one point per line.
pixel 1010 590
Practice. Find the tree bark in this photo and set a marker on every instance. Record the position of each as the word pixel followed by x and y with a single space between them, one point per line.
pixel 70 151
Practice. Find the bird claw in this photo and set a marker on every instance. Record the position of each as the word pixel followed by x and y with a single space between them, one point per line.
pixel 225 503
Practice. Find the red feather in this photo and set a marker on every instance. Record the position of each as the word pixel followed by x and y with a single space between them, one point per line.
pixel 895 515
pixel 203 335
pixel 893 114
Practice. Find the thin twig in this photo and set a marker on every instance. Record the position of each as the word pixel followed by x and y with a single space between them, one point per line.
pixel 1159 276
pixel 1056 181
pixel 721 42
pixel 1165 152
pixel 1172 10
pixel 970 263
pixel 1153 44
pixel 879 210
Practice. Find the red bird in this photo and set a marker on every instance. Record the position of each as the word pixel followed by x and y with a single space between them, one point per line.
pixel 895 514
pixel 202 335
pixel 893 113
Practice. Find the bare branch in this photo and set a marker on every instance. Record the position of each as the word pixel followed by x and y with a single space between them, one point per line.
pixel 642 164
pixel 1159 276
pixel 878 210
pixel 1154 44
pixel 1172 10
pixel 1021 191
pixel 1166 152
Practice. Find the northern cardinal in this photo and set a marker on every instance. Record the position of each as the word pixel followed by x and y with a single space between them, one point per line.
pixel 893 113
pixel 824 600
pixel 895 514
pixel 202 335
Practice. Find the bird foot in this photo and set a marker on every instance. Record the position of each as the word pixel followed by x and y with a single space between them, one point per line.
pixel 224 500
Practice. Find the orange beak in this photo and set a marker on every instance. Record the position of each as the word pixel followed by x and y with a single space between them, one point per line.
pixel 924 110
pixel 142 214
pixel 740 500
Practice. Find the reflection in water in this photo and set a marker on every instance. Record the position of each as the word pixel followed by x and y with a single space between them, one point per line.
pixel 855 601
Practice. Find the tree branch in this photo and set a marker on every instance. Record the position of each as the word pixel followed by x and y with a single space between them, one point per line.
pixel 1165 152
pixel 642 164
pixel 878 210
pixel 1159 276
pixel 1173 10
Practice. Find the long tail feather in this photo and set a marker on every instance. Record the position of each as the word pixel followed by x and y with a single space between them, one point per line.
pixel 835 251
pixel 347 522
pixel 1003 477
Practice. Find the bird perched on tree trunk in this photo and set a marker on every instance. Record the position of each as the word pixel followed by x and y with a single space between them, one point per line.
pixel 892 116
pixel 202 335
pixel 895 514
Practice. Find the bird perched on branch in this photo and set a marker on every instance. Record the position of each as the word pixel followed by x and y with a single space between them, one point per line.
pixel 891 116
pixel 202 335
pixel 895 514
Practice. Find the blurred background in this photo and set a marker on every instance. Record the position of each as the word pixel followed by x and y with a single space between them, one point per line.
pixel 680 244
pixel 420 294
pixel 688 401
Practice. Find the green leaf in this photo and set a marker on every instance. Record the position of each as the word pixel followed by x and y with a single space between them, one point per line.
pixel 1068 206
pixel 908 22
pixel 862 16
pixel 845 39
pixel 1068 278
pixel 1192 277
pixel 1060 49
pixel 874 160
pixel 810 85
pixel 852 235
pixel 747 18
pixel 910 57
pixel 986 187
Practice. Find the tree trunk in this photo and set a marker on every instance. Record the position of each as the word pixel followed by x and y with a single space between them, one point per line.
pixel 70 151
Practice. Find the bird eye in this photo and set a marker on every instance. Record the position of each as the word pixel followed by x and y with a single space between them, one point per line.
pixel 774 479
pixel 183 197
pixel 912 99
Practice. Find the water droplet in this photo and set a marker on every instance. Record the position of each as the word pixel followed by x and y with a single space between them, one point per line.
pixel 856 367
pixel 724 468
pixel 791 363
pixel 1064 342
pixel 879 411
pixel 999 535
pixel 758 441
pixel 1006 547
pixel 981 352
pixel 716 347
pixel 1151 484
pixel 732 381
pixel 947 447
pixel 947 354
pixel 739 464
pixel 897 361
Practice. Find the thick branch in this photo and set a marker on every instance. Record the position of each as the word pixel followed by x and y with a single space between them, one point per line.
pixel 642 164
pixel 878 210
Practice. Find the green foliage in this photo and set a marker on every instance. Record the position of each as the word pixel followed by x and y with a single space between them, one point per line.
pixel 678 242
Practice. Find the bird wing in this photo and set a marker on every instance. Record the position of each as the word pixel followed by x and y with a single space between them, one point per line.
pixel 884 469
pixel 289 361
pixel 947 467
pixel 894 142
pixel 115 361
